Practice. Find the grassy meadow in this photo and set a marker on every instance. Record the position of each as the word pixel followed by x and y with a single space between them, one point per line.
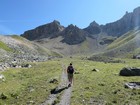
pixel 29 85
pixel 105 87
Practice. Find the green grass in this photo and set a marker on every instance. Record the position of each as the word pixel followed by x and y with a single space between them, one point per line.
pixel 125 46
pixel 55 54
pixel 123 39
pixel 4 46
pixel 17 37
pixel 103 87
pixel 26 85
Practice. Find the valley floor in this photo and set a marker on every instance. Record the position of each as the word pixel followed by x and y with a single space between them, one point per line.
pixel 32 86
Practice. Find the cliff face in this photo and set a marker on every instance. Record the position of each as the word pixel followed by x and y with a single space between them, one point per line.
pixel 119 27
pixel 44 31
pixel 74 35
pixel 93 28
pixel 71 34
pixel 128 22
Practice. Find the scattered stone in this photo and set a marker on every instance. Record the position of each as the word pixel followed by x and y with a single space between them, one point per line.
pixel 96 101
pixel 14 95
pixel 14 61
pixel 31 88
pixel 87 88
pixel 136 56
pixel 3 67
pixel 101 84
pixel 130 71
pixel 30 102
pixel 116 91
pixel 96 70
pixel 132 85
pixel 76 72
pixel 3 96
pixel 114 101
pixel 27 65
pixel 2 78
pixel 55 81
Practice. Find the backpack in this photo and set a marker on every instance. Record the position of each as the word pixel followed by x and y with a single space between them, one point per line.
pixel 70 70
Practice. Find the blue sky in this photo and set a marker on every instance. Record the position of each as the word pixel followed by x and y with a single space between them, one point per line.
pixel 17 16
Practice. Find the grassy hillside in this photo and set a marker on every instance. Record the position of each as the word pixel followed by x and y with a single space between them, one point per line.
pixel 18 37
pixel 16 47
pixel 125 46
pixel 5 47
pixel 123 39
pixel 87 47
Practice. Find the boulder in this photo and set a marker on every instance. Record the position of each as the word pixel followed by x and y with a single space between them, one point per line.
pixel 136 56
pixel 132 85
pixel 130 71
pixel 55 81
pixel 3 96
pixel 2 78
pixel 26 65
pixel 76 72
pixel 1 68
pixel 96 70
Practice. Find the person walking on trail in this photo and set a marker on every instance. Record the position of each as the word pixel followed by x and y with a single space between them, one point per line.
pixel 70 71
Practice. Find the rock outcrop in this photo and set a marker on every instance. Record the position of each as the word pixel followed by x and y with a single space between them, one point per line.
pixel 131 71
pixel 93 28
pixel 16 50
pixel 73 35
pixel 132 85
pixel 128 22
pixel 44 31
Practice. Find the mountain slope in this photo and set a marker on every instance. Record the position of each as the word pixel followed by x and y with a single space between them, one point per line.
pixel 128 22
pixel 16 47
pixel 93 28
pixel 73 35
pixel 125 46
pixel 44 31
pixel 94 38
pixel 86 47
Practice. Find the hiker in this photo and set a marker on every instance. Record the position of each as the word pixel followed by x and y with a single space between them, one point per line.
pixel 70 71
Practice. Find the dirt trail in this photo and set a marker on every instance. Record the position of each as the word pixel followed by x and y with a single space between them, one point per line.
pixel 65 99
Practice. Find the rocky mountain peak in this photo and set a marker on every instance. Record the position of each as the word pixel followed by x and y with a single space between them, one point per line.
pixel 128 22
pixel 93 28
pixel 94 24
pixel 44 31
pixel 54 29
pixel 56 22
pixel 72 30
pixel 73 35
pixel 136 10
pixel 71 26
pixel 126 12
